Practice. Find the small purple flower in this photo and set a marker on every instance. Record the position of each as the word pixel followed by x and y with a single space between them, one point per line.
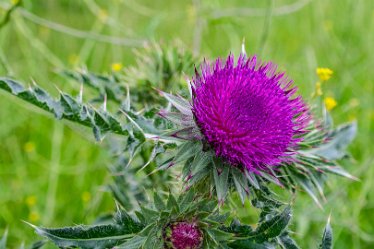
pixel 248 113
pixel 183 235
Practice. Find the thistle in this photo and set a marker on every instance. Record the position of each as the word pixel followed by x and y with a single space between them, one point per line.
pixel 248 113
pixel 183 235
pixel 246 126
pixel 243 128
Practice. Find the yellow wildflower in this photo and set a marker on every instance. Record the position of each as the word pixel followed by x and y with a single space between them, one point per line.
pixel 34 216
pixel 73 59
pixel 31 200
pixel 354 102
pixel 116 67
pixel 86 196
pixel 103 15
pixel 324 73
pixel 29 147
pixel 318 91
pixel 330 103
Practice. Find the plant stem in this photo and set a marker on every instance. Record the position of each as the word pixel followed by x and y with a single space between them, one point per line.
pixel 54 172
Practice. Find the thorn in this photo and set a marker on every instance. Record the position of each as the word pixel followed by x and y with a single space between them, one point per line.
pixel 243 47
pixel 31 225
pixel 58 89
pixel 329 218
pixel 159 91
pixel 80 98
pixel 128 103
pixel 118 208
pixel 132 121
pixel 84 69
pixel 33 82
pixel 105 102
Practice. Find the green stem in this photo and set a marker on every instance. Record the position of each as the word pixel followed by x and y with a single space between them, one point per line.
pixel 54 172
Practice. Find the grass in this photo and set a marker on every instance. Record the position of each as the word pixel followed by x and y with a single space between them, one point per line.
pixel 49 171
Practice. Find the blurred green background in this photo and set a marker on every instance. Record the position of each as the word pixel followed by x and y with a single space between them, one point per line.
pixel 52 175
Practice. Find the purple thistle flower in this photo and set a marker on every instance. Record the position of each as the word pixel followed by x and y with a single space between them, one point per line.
pixel 183 235
pixel 248 113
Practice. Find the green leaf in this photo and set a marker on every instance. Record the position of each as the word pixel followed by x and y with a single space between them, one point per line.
pixel 273 227
pixel 221 180
pixel 133 243
pixel 3 240
pixel 337 170
pixel 178 102
pixel 159 203
pixel 158 149
pixel 38 244
pixel 306 183
pixel 186 200
pixel 128 224
pixel 337 142
pixel 67 107
pixel 135 140
pixel 327 237
pixel 153 240
pixel 149 214
pixel 201 160
pixel 239 230
pixel 186 151
pixel 241 184
pixel 105 85
pixel 219 235
pixel 172 202
pixel 286 242
pixel 247 244
pixel 87 237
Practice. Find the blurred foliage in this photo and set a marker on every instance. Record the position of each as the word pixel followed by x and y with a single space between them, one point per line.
pixel 41 158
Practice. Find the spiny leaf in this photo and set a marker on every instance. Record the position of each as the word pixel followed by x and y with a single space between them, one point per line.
pixel 218 236
pixel 128 223
pixel 87 237
pixel 247 244
pixel 286 242
pixel 327 237
pixel 67 107
pixel 133 243
pixel 241 184
pixel 159 203
pixel 178 102
pixel 186 151
pixel 304 182
pixel 106 85
pixel 339 171
pixel 201 160
pixel 149 214
pixel 221 180
pixel 273 227
pixel 238 229
pixel 38 244
pixel 337 142
pixel 3 240
pixel 172 202
pixel 153 240
pixel 186 200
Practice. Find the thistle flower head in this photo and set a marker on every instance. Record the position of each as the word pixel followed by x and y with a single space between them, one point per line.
pixel 183 235
pixel 247 112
